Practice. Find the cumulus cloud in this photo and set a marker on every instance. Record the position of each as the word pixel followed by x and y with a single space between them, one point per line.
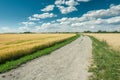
pixel 71 3
pixel 113 20
pixel 104 13
pixel 59 2
pixel 83 0
pixel 24 29
pixel 104 19
pixel 65 7
pixel 48 8
pixel 42 16
pixel 68 6
pixel 66 10
pixel 92 20
pixel 33 19
pixel 28 23
pixel 53 27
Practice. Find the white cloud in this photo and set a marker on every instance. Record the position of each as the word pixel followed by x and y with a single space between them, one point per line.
pixel 83 0
pixel 104 13
pixel 28 23
pixel 44 25
pixel 62 20
pixel 71 3
pixel 89 21
pixel 66 10
pixel 53 27
pixel 68 6
pixel 48 8
pixel 24 29
pixel 33 19
pixel 65 7
pixel 104 19
pixel 113 20
pixel 42 16
pixel 59 2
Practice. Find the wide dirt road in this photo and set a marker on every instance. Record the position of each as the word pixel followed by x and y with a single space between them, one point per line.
pixel 67 63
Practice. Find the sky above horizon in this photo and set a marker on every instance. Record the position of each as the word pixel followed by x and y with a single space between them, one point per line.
pixel 59 15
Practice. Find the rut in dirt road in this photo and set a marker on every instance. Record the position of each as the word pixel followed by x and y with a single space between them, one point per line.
pixel 67 63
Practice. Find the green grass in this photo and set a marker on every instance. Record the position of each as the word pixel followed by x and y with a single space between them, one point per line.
pixel 106 64
pixel 17 62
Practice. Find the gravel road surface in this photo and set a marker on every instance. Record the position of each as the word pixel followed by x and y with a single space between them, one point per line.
pixel 67 63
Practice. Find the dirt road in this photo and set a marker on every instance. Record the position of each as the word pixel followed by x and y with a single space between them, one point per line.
pixel 67 63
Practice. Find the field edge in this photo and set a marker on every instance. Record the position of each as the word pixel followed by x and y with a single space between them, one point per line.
pixel 15 63
pixel 105 61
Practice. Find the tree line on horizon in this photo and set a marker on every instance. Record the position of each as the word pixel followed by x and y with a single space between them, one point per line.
pixel 101 31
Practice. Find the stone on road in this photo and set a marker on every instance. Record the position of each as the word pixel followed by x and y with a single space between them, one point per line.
pixel 67 63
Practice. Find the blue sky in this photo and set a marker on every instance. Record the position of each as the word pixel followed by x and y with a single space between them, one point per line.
pixel 59 15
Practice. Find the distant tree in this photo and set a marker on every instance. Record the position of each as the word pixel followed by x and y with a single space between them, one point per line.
pixel 115 32
pixel 27 32
pixel 87 31
pixel 100 31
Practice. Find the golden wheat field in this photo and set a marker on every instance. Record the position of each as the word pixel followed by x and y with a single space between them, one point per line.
pixel 15 45
pixel 113 39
